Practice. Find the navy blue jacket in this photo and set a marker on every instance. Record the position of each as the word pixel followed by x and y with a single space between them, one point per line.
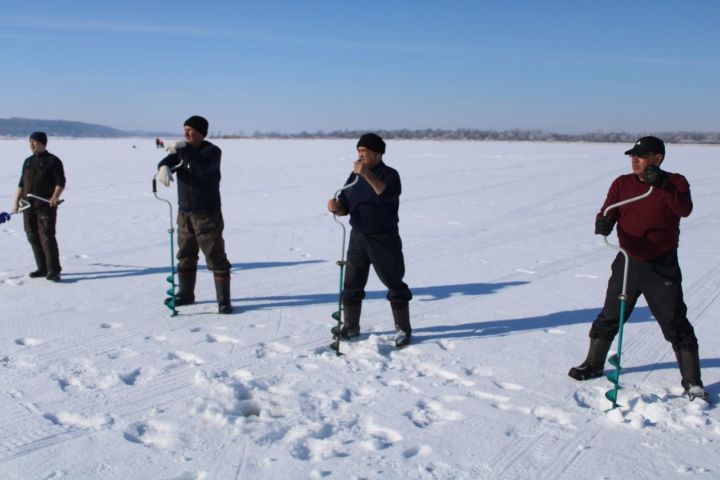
pixel 369 212
pixel 198 178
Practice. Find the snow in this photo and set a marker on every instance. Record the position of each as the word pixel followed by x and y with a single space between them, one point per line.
pixel 99 381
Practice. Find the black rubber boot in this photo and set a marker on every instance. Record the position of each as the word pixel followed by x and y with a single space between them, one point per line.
pixel 222 290
pixel 403 330
pixel 37 274
pixel 185 294
pixel 39 255
pixel 351 322
pixel 594 364
pixel 688 359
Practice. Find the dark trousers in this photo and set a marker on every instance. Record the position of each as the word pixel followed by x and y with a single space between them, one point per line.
pixel 660 281
pixel 39 226
pixel 201 231
pixel 384 253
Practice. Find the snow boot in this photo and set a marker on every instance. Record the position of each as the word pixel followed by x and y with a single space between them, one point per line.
pixel 351 322
pixel 185 294
pixel 222 290
pixel 53 276
pixel 403 330
pixel 688 359
pixel 37 274
pixel 594 364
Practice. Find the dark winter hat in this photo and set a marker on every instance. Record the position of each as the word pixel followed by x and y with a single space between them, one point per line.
pixel 40 137
pixel 197 123
pixel 372 142
pixel 647 146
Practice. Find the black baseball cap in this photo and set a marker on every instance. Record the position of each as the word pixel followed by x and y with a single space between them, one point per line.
pixel 647 146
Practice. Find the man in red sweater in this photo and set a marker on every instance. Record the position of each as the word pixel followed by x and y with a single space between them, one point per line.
pixel 648 230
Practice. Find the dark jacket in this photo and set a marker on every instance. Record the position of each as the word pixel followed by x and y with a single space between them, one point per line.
pixel 198 177
pixel 41 173
pixel 649 228
pixel 369 212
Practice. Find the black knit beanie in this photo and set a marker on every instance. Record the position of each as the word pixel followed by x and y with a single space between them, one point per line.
pixel 197 123
pixel 372 142
pixel 40 137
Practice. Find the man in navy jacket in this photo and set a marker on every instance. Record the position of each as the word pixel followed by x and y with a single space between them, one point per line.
pixel 374 239
pixel 200 222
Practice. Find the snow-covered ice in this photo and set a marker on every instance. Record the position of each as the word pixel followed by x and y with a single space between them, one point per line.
pixel 99 381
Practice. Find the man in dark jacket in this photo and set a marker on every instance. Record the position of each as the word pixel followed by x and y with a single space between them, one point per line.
pixel 200 222
pixel 42 176
pixel 648 230
pixel 374 239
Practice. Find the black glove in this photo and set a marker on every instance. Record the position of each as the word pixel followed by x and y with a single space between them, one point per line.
pixel 655 176
pixel 604 225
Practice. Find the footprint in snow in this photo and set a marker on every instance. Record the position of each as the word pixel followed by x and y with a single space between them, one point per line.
pixel 151 434
pixel 422 450
pixel 380 437
pixel 131 378
pixel 429 412
pixel 111 325
pixel 28 342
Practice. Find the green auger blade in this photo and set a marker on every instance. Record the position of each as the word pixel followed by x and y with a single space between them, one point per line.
pixel 336 346
pixel 336 315
pixel 170 303
pixel 170 279
pixel 611 395
pixel 614 360
pixel 614 376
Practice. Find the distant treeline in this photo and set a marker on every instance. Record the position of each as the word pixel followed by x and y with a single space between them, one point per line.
pixel 505 135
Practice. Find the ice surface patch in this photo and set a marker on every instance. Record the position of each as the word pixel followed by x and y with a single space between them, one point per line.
pixel 220 339
pixel 91 422
pixel 201 475
pixel 29 342
pixel 185 357
pixel 510 386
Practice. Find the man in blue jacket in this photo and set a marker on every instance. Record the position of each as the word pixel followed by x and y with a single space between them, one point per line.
pixel 200 222
pixel 374 239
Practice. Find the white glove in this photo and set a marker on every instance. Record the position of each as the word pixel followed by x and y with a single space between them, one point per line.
pixel 164 176
pixel 173 147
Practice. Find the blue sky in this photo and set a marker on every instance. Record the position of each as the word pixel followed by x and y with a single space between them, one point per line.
pixel 561 66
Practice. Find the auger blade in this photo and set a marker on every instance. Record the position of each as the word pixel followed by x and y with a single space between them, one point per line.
pixel 611 395
pixel 614 360
pixel 336 315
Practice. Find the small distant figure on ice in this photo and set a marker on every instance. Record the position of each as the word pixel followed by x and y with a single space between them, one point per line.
pixel 373 205
pixel 159 143
pixel 41 182
pixel 200 222
pixel 649 231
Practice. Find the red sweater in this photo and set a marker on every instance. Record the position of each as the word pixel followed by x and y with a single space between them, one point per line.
pixel 649 228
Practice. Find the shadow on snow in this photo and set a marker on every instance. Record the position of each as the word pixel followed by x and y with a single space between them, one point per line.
pixel 120 271
pixel 422 294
